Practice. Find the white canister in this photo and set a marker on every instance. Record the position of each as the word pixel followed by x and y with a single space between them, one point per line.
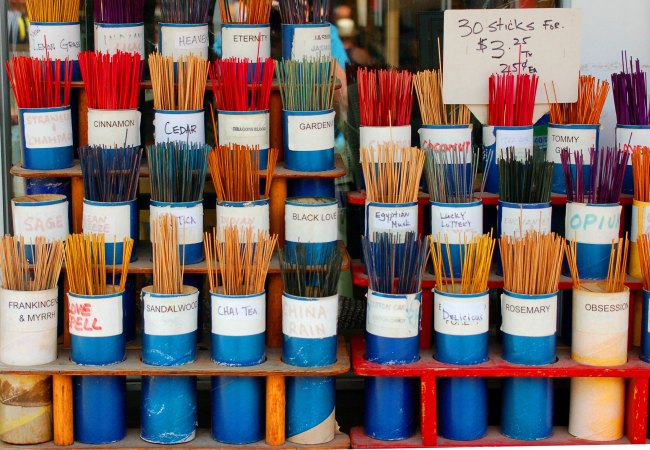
pixel 395 218
pixel 372 137
pixel 516 219
pixel 179 126
pixel 40 215
pixel 111 128
pixel 125 37
pixel 183 39
pixel 306 41
pixel 446 138
pixel 244 128
pixel 243 215
pixel 55 40
pixel 247 41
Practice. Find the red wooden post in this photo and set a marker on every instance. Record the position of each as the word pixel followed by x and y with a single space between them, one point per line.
pixel 427 318
pixel 636 414
pixel 429 419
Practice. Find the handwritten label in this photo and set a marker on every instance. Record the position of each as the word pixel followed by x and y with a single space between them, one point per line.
pixel 517 222
pixel 310 133
pixel 521 140
pixel 532 317
pixel 640 219
pixel 29 311
pixel 394 316
pixel 49 221
pixel 58 41
pixel 249 216
pixel 114 222
pixel 125 38
pixel 311 43
pixel 179 41
pixel 190 221
pixel 457 224
pixel 592 224
pixel 114 128
pixel 447 139
pixel 311 223
pixel 572 139
pixel 240 316
pixel 599 313
pixel 170 316
pixel 461 316
pixel 310 319
pixel 628 138
pixel 480 42
pixel 174 127
pixel 246 42
pixel 373 137
pixel 95 317
pixel 47 129
pixel 399 220
pixel 244 129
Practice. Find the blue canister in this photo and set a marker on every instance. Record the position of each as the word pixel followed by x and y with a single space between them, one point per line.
pixel 309 140
pixel 245 128
pixel 46 137
pixel 248 41
pixel 461 325
pixel 310 410
pixel 313 223
pixel 183 39
pixel 645 328
pixel 99 409
pixel 497 140
pixel 190 226
pixel 169 413
pixel 455 224
pixel 57 40
pixel 243 215
pixel 187 127
pixel 529 325
pixel 628 137
pixel 580 138
pixel 306 41
pixel 109 38
pixel 116 221
pixel 593 227
pixel 390 412
pixel 311 187
pixel 237 409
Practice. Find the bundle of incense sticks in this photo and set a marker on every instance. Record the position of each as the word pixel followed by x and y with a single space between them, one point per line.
pixel 177 171
pixel 385 97
pixel 428 87
pixel 188 91
pixel 387 255
pixel 15 274
pixel 532 264
pixel 304 11
pixel 248 11
pixel 110 175
pixel 630 89
pixel 302 279
pixel 168 268
pixel 606 181
pixel 53 10
pixel 641 171
pixel 238 85
pixel 617 265
pixel 476 256
pixel 643 243
pixel 85 263
pixel 392 174
pixel 111 81
pixel 235 171
pixel 592 94
pixel 527 181
pixel 39 83
pixel 244 262
pixel 511 99
pixel 307 85
pixel 184 11
pixel 119 11
pixel 451 174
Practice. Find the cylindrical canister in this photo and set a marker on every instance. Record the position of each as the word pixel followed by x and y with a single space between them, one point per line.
pixel 461 325
pixel 245 128
pixel 114 128
pixel 529 323
pixel 446 137
pixel 313 223
pixel 640 224
pixel 183 39
pixel 395 218
pixel 190 226
pixel 28 327
pixel 99 409
pixel 306 41
pixel 243 215
pixel 169 414
pixel 309 140
pixel 516 219
pixel 238 409
pixel 25 409
pixel 310 410
pixel 455 224
pixel 179 126
pixel 370 137
pixel 390 412
pixel 116 221
pixel 575 138
pixel 628 137
pixel 645 327
pixel 245 41
pixel 46 137
pixel 56 40
pixel 497 140
pixel 593 227
pixel 125 37
pixel 311 187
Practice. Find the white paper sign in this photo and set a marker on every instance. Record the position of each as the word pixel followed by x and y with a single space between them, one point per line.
pixel 190 221
pixel 311 223
pixel 311 42
pixel 170 316
pixel 255 216
pixel 246 42
pixel 28 311
pixel 373 137
pixel 521 140
pixel 47 129
pixel 310 319
pixel 516 222
pixel 312 132
pixel 640 219
pixel 394 316
pixel 592 224
pixel 572 139
pixel 183 127
pixel 114 128
pixel 49 221
pixel 95 317
pixel 461 316
pixel 58 41
pixel 179 41
pixel 628 138
pixel 244 129
pixel 129 38
pixel 532 318
pixel 458 224
pixel 398 220
pixel 111 221
pixel 241 316
pixel 601 314
pixel 480 42
pixel 446 139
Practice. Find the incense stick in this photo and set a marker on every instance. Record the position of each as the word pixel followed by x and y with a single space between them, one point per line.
pixel 168 269
pixel 428 87
pixel 304 11
pixel 385 97
pixel 53 10
pixel 248 11
pixel 110 175
pixel 630 89
pixel 111 81
pixel 617 268
pixel 177 171
pixel 184 11
pixel 119 11
pixel 607 172
pixel 15 272
pixel 238 85
pixel 307 85
pixel 641 172
pixel 592 94
pixel 191 78
pixel 643 244
pixel 39 83
pixel 304 280
pixel 511 99
pixel 527 181
pixel 451 174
